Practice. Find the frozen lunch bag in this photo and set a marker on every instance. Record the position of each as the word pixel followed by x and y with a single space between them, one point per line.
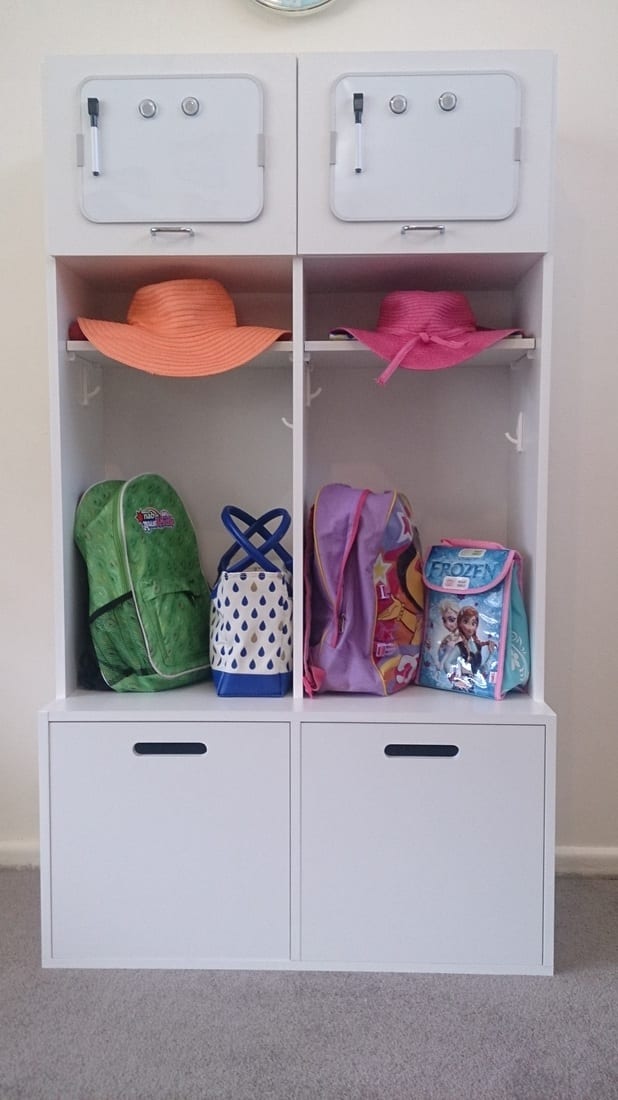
pixel 476 630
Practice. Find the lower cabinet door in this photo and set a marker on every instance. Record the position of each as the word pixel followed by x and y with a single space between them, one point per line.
pixel 422 845
pixel 169 842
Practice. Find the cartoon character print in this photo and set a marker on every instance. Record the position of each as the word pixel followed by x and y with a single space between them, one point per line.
pixel 398 581
pixel 454 652
pixel 449 610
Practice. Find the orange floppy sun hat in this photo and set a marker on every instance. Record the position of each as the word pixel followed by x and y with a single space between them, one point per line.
pixel 183 327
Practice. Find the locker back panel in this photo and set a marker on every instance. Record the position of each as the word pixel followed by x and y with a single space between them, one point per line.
pixel 172 148
pixel 427 146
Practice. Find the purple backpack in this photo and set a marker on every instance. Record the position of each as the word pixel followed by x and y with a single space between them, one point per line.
pixel 363 593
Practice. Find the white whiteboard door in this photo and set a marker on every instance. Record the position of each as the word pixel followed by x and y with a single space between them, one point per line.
pixel 425 146
pixel 172 148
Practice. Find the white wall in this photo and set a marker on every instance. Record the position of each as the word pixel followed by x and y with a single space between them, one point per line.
pixel 583 510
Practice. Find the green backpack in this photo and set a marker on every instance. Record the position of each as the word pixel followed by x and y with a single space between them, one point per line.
pixel 149 605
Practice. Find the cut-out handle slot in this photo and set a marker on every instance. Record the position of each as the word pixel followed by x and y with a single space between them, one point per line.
pixel 421 750
pixel 169 748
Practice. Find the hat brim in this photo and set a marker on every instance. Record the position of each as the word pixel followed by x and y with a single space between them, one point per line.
pixel 192 355
pixel 428 356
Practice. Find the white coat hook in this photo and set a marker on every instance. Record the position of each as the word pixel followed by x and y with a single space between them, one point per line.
pixel 288 423
pixel 309 394
pixel 518 439
pixel 86 395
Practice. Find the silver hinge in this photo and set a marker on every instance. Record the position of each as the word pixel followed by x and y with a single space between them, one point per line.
pixel 517 143
pixel 79 150
pixel 261 151
pixel 333 147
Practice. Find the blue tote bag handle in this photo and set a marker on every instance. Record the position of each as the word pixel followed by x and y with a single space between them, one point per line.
pixel 255 555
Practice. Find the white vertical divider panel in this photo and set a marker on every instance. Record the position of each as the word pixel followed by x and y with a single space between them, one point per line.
pixel 540 520
pixel 299 398
pixel 528 486
pixel 58 510
pixel 549 844
pixel 44 838
pixel 298 543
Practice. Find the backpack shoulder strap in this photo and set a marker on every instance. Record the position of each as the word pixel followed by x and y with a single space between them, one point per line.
pixel 352 537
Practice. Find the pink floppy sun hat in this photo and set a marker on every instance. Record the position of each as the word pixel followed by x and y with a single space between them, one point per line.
pixel 183 328
pixel 425 330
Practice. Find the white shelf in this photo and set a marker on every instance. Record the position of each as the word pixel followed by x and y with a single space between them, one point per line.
pixel 278 355
pixel 199 702
pixel 339 353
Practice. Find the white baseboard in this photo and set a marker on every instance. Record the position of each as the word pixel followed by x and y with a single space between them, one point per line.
pixel 587 861
pixel 569 860
pixel 19 853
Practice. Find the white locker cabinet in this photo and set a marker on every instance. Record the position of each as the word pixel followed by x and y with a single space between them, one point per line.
pixel 165 156
pixel 294 842
pixel 434 853
pixel 168 842
pixel 444 153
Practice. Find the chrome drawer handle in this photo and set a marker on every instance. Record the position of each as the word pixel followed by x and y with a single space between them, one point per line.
pixel 169 748
pixel 422 229
pixel 421 750
pixel 156 229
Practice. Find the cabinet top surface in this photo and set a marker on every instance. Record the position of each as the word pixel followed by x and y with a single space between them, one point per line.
pixel 182 60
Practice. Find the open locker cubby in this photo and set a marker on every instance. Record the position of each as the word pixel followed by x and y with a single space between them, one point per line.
pixel 439 436
pixel 274 794
pixel 219 440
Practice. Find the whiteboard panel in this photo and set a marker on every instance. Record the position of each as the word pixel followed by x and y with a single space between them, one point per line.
pixel 161 162
pixel 428 146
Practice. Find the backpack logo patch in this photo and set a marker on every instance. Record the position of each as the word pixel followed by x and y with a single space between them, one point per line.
pixel 151 519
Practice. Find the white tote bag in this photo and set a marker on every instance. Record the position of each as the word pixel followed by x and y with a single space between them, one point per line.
pixel 251 608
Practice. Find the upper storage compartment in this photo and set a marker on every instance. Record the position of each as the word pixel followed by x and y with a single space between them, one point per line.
pixel 171 155
pixel 407 153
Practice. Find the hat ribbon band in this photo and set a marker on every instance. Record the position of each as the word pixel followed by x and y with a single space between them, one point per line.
pixel 424 338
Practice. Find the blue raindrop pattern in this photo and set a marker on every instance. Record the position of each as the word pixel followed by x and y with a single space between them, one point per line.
pixel 251 623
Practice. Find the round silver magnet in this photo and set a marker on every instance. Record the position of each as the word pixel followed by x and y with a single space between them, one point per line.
pixel 398 104
pixel 190 105
pixel 447 101
pixel 147 108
